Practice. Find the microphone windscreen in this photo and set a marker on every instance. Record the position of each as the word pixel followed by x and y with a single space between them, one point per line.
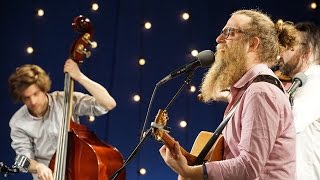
pixel 206 58
pixel 300 76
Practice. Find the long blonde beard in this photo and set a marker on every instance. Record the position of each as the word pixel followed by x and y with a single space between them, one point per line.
pixel 228 68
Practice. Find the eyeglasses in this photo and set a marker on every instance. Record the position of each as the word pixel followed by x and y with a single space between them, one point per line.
pixel 229 31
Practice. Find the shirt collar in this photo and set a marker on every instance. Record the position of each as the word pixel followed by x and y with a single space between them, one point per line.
pixel 45 115
pixel 241 85
pixel 250 75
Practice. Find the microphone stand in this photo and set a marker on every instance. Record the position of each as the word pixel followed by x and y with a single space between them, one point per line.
pixel 186 81
pixel 147 134
pixel 148 111
pixel 6 170
pixel 132 155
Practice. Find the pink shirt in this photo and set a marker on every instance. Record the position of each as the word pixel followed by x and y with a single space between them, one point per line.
pixel 260 137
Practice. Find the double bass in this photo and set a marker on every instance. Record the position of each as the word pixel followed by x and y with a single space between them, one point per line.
pixel 80 154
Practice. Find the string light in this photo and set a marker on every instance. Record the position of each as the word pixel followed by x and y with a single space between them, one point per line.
pixel 29 50
pixel 40 12
pixel 142 171
pixel 91 118
pixel 313 5
pixel 183 124
pixel 147 25
pixel 193 88
pixel 94 6
pixel 94 44
pixel 280 21
pixel 185 16
pixel 194 53
pixel 142 62
pixel 136 98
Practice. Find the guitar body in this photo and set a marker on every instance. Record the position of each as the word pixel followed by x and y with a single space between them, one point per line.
pixel 216 152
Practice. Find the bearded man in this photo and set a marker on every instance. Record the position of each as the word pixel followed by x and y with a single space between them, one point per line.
pixel 259 139
pixel 305 58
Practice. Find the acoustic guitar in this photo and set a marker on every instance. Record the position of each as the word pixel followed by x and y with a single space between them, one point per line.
pixel 162 134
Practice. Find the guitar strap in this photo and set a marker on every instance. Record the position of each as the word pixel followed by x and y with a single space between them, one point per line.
pixel 260 78
pixel 270 79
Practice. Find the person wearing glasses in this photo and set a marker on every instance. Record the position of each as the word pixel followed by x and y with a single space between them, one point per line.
pixel 305 58
pixel 259 139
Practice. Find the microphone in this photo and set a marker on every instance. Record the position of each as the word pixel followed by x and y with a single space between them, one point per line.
pixel 204 59
pixel 7 170
pixel 21 164
pixel 4 168
pixel 297 81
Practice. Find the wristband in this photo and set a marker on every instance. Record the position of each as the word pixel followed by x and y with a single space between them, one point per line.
pixel 204 170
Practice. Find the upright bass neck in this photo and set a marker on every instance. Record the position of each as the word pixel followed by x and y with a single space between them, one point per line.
pixel 78 52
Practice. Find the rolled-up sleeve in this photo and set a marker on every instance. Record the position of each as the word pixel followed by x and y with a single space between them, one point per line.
pixel 85 104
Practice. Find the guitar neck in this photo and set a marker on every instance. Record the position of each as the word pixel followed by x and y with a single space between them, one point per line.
pixel 162 135
pixel 169 142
